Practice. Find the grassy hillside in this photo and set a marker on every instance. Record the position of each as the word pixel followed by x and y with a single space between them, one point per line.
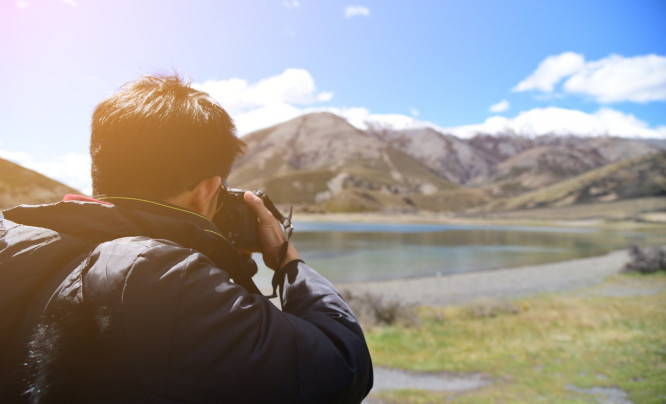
pixel 19 185
pixel 644 176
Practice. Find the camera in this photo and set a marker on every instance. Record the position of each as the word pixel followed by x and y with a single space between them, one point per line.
pixel 238 222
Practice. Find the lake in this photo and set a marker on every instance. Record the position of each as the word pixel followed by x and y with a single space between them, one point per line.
pixel 351 252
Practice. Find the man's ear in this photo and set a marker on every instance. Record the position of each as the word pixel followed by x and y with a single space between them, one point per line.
pixel 203 196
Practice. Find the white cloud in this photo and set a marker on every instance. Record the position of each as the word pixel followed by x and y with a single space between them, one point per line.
pixel 324 96
pixel 500 106
pixel 393 121
pixel 353 11
pixel 361 118
pixel 70 2
pixel 612 79
pixel 266 102
pixel 291 3
pixel 355 116
pixel 627 125
pixel 617 79
pixel 288 95
pixel 414 112
pixel 237 95
pixel 279 98
pixel 72 169
pixel 265 116
pixel 551 71
pixel 292 86
pixel 559 121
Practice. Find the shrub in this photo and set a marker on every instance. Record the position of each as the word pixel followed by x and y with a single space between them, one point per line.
pixel 646 260
pixel 374 309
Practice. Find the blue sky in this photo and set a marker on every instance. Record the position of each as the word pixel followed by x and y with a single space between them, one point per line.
pixel 595 66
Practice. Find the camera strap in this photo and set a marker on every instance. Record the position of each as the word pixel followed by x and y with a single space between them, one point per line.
pixel 288 228
pixel 285 221
pixel 279 271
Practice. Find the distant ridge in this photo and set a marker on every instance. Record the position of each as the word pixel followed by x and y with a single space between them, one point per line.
pixel 320 162
pixel 20 185
pixel 643 176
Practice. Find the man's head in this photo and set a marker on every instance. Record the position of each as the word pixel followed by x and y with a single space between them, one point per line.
pixel 158 137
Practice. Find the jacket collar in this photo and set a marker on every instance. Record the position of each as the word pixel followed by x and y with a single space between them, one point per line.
pixel 109 218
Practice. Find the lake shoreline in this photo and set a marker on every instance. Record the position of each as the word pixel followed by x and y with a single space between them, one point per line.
pixel 435 218
pixel 426 218
pixel 499 284
pixel 637 212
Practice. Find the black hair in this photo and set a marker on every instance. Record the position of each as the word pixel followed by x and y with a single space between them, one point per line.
pixel 158 137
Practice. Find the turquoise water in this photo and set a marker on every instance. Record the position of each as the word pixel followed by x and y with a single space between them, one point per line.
pixel 349 252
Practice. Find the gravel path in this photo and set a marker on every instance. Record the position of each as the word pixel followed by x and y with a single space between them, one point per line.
pixel 396 379
pixel 497 284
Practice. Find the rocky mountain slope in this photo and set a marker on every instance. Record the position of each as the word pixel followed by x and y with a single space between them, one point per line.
pixel 643 176
pixel 552 159
pixel 319 161
pixel 19 185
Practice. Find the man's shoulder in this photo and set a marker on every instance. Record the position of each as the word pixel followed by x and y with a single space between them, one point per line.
pixel 145 257
pixel 7 225
pixel 19 240
pixel 137 269
pixel 147 251
pixel 142 243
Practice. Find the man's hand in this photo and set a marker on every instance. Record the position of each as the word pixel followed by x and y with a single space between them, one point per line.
pixel 270 234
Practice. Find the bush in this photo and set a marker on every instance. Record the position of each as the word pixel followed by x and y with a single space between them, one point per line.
pixel 646 260
pixel 374 309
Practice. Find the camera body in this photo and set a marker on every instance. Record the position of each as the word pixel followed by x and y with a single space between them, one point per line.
pixel 237 220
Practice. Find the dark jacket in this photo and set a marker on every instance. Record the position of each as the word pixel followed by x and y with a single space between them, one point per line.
pixel 133 302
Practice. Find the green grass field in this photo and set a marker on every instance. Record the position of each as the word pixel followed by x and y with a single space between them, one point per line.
pixel 539 349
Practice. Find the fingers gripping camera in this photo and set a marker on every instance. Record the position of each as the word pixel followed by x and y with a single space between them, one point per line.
pixel 238 222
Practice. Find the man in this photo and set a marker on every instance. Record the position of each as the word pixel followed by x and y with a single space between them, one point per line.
pixel 129 297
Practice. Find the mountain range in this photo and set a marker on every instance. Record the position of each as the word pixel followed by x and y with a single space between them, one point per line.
pixel 320 162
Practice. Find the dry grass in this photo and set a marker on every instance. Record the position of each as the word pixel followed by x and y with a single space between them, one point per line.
pixel 536 347
pixel 452 200
pixel 640 209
